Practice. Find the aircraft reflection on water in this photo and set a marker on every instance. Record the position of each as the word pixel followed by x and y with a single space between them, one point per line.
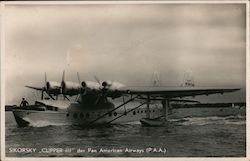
pixel 106 102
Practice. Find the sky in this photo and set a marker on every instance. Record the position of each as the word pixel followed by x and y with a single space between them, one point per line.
pixel 126 43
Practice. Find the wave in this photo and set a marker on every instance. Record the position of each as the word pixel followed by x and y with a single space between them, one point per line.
pixel 42 123
pixel 232 120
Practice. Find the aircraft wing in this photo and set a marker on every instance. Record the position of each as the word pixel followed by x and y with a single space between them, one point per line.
pixel 170 92
pixel 36 88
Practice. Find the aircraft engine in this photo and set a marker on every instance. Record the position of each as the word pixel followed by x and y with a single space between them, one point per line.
pixel 53 88
pixel 110 89
pixel 111 85
pixel 89 85
pixel 70 88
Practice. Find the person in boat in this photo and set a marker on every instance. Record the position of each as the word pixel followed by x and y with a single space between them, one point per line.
pixel 24 103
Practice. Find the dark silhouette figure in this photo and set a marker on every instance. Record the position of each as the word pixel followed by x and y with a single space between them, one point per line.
pixel 24 103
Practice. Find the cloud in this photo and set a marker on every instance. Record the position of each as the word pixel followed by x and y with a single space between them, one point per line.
pixel 126 43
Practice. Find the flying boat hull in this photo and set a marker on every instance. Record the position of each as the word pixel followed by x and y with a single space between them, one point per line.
pixel 76 114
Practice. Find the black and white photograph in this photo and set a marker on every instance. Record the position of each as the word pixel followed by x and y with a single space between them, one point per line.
pixel 124 79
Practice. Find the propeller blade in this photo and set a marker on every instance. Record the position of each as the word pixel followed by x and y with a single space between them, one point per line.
pixel 63 76
pixel 78 77
pixel 45 78
pixel 42 95
pixel 46 82
pixel 62 83
pixel 97 80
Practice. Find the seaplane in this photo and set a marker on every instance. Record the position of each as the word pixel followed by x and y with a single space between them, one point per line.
pixel 105 102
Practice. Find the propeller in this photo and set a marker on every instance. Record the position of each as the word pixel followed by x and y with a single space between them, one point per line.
pixel 51 88
pixel 100 94
pixel 83 84
pixel 97 80
pixel 79 81
pixel 78 78
pixel 42 95
pixel 104 88
pixel 44 89
pixel 63 85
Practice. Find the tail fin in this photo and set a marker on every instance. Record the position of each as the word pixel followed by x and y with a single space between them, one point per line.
pixel 188 79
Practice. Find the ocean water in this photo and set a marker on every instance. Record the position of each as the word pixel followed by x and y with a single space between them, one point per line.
pixel 209 136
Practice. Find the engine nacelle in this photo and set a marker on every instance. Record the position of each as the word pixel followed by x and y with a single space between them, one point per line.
pixel 106 89
pixel 112 85
pixel 89 85
pixel 53 88
pixel 70 88
pixel 116 85
pixel 112 88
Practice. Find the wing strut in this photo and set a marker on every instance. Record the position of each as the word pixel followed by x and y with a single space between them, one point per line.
pixel 123 99
pixel 131 99
pixel 125 113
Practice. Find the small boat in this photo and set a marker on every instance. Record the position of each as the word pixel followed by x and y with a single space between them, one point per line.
pixel 154 122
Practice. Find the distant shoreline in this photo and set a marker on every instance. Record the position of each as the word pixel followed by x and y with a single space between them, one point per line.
pixel 175 106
